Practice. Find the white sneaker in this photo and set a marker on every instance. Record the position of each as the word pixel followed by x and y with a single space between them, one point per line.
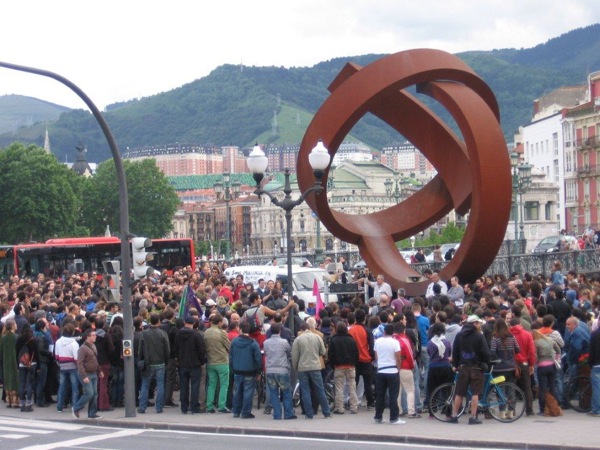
pixel 397 422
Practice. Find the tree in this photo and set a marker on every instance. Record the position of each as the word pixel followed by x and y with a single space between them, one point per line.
pixel 40 196
pixel 152 200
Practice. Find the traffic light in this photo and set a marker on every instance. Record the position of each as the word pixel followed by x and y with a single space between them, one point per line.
pixel 112 281
pixel 127 348
pixel 141 257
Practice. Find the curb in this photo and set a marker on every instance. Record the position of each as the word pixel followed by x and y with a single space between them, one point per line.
pixel 332 435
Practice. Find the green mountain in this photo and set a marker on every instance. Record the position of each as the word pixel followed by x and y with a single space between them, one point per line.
pixel 17 111
pixel 237 104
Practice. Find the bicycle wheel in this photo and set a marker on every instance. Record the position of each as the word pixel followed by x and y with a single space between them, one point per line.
pixel 440 402
pixel 296 395
pixel 578 392
pixel 505 402
pixel 261 393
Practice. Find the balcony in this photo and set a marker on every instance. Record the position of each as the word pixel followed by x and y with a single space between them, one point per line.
pixel 588 171
pixel 587 143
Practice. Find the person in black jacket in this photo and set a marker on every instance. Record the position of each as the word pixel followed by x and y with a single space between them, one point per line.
pixel 469 352
pixel 43 341
pixel 343 356
pixel 191 354
pixel 168 326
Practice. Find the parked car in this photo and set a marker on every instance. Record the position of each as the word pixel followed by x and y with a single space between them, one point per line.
pixel 296 261
pixel 553 244
pixel 444 248
pixel 360 265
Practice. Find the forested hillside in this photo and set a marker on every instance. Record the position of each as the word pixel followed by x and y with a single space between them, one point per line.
pixel 237 104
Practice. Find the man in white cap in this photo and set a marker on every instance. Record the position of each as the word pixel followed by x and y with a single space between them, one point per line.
pixel 469 354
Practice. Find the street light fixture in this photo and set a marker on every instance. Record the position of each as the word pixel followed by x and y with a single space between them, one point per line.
pixel 227 188
pixel 319 159
pixel 393 188
pixel 521 181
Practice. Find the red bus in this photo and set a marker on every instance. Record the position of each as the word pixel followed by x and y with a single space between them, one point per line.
pixel 77 255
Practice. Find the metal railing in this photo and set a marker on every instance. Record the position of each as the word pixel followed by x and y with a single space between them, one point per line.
pixel 533 263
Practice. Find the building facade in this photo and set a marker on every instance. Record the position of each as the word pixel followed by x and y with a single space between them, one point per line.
pixel 182 159
pixel 582 134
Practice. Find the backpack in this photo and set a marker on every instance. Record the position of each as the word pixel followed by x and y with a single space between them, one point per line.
pixel 253 320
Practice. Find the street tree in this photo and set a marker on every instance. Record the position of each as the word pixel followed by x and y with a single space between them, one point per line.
pixel 40 197
pixel 152 200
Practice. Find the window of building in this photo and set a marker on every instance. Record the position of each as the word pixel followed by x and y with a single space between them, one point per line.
pixel 532 210
pixel 329 244
pixel 548 211
pixel 586 189
pixel 555 143
pixel 588 217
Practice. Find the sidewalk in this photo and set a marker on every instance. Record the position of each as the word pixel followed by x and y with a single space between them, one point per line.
pixel 572 431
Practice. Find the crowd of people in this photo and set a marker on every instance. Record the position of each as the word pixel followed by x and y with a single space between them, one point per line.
pixel 214 338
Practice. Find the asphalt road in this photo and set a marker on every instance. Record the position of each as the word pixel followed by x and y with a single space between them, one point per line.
pixel 43 435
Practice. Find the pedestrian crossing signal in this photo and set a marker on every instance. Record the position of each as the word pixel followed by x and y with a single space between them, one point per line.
pixel 127 348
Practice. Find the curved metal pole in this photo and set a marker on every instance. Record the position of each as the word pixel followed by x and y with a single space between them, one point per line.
pixel 123 223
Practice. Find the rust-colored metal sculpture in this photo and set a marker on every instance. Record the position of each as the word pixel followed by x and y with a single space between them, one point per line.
pixel 473 171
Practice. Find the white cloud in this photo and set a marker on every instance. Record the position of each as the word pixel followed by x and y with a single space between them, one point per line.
pixel 118 50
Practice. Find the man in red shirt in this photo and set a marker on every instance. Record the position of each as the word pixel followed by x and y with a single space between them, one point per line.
pixel 406 370
pixel 364 342
pixel 526 360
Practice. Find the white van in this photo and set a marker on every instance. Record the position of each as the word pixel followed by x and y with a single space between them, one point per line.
pixel 303 279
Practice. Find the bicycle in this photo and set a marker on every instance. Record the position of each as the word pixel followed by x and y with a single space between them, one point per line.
pixel 578 391
pixel 261 384
pixel 498 398
pixel 328 384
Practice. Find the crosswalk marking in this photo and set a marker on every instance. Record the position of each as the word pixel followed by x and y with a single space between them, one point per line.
pixel 85 440
pixel 38 424
pixel 13 436
pixel 23 428
pixel 26 430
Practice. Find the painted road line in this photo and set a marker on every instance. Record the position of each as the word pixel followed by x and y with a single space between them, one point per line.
pixel 57 426
pixel 85 440
pixel 26 430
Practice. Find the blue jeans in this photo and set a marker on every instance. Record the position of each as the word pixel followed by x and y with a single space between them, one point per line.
pixel 243 393
pixel 403 397
pixel 275 383
pixel 89 396
pixel 158 373
pixel 546 382
pixel 71 377
pixel 317 380
pixel 117 390
pixel 26 383
pixel 595 380
pixel 189 385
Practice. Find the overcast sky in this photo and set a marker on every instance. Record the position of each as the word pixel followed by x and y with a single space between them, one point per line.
pixel 119 50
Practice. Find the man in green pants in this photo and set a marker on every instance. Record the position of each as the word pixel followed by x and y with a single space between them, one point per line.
pixel 217 367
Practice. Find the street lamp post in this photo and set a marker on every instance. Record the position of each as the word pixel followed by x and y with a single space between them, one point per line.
pixel 393 188
pixel 521 181
pixel 226 188
pixel 257 163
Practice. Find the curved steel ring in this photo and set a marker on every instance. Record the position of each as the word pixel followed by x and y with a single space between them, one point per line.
pixel 473 171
